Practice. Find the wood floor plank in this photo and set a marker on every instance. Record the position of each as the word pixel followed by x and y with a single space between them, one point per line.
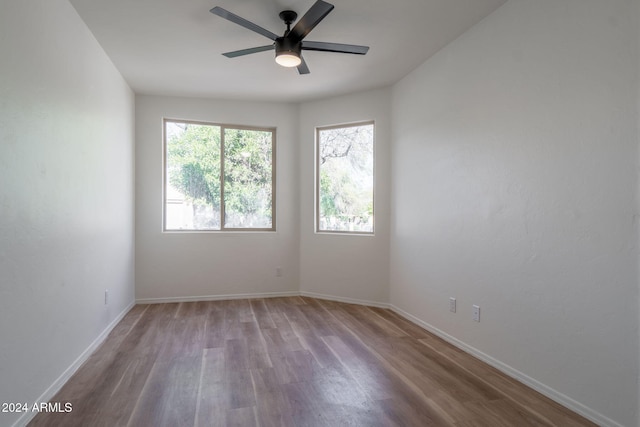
pixel 233 313
pixel 215 325
pixel 261 314
pixel 290 361
pixel 212 399
pixel 241 417
pixel 306 408
pixel 185 336
pixel 243 308
pixel 379 325
pixel 498 413
pixel 239 388
pixel 409 328
pixel 320 351
pixel 273 408
pixel 169 397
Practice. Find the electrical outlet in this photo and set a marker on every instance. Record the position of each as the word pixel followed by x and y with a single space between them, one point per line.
pixel 452 305
pixel 278 271
pixel 476 313
pixel 106 296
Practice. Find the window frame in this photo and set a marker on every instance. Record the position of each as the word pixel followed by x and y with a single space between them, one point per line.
pixel 317 178
pixel 222 127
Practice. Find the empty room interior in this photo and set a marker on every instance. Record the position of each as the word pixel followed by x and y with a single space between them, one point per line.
pixel 489 274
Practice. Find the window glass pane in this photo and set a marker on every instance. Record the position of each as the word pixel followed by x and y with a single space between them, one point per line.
pixel 192 192
pixel 345 179
pixel 248 178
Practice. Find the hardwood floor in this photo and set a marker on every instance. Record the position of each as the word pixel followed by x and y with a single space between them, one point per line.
pixel 289 362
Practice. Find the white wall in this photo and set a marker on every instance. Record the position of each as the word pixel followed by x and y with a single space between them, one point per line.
pixel 515 180
pixel 66 196
pixel 179 265
pixel 638 193
pixel 349 267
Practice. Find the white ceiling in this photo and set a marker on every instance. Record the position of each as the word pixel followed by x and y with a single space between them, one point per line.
pixel 173 47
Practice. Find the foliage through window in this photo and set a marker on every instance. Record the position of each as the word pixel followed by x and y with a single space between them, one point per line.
pixel 218 177
pixel 344 178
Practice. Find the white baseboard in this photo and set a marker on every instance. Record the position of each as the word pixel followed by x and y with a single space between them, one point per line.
pixel 62 379
pixel 217 297
pixel 260 295
pixel 552 394
pixel 343 299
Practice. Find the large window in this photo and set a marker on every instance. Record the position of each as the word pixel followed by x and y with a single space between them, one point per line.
pixel 218 177
pixel 344 178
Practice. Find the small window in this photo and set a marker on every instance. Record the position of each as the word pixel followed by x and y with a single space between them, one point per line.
pixel 344 178
pixel 218 177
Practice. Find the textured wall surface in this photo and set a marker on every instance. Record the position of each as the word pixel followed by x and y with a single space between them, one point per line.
pixel 66 195
pixel 515 179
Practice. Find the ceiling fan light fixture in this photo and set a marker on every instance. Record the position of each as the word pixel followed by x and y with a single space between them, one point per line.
pixel 288 53
pixel 288 60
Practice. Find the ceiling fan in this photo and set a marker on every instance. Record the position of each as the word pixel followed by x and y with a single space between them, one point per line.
pixel 289 47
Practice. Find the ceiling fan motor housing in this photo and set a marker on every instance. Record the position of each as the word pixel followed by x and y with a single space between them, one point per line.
pixel 285 46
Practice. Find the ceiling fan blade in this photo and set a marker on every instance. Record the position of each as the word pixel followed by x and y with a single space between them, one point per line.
pixel 308 22
pixel 249 51
pixel 335 47
pixel 303 68
pixel 243 22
